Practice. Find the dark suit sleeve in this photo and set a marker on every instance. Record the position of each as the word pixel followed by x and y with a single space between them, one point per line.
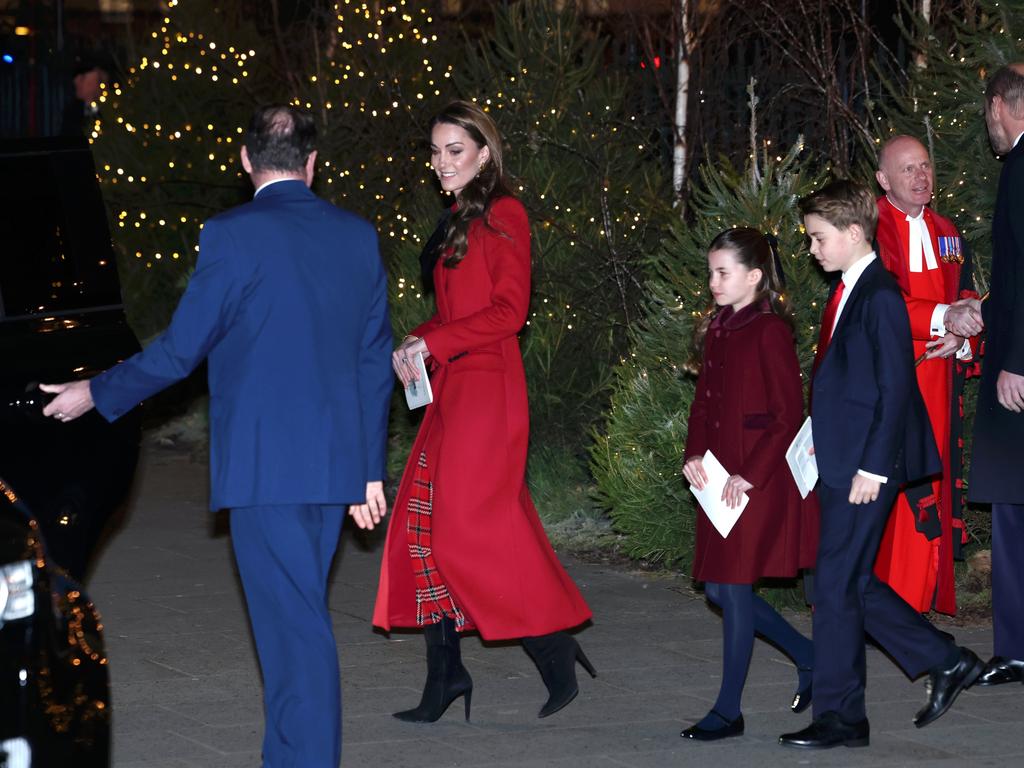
pixel 1014 360
pixel 784 398
pixel 376 380
pixel 203 315
pixel 888 328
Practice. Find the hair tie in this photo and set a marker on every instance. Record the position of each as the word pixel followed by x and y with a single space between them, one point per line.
pixel 773 245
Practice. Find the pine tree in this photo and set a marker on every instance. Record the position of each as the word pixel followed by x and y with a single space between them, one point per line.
pixel 942 103
pixel 585 165
pixel 636 460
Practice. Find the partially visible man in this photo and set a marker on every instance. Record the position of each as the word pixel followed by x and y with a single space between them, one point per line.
pixel 997 461
pixel 289 303
pixel 928 258
pixel 90 73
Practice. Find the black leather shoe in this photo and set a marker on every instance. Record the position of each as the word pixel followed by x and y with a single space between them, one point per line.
pixel 829 731
pixel 1000 670
pixel 731 728
pixel 944 685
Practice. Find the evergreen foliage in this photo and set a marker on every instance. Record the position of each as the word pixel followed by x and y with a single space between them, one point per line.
pixel 636 461
pixel 942 103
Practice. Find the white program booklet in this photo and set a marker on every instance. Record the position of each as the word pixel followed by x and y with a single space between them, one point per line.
pixel 721 516
pixel 418 393
pixel 801 462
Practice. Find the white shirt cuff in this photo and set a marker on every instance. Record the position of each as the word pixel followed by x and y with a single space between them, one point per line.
pixel 872 476
pixel 939 320
pixel 964 353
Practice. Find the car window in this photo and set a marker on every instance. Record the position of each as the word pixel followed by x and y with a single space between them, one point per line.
pixel 55 249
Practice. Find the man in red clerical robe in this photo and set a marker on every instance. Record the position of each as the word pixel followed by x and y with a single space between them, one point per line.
pixel 928 258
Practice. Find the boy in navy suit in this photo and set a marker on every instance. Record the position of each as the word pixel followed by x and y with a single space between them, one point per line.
pixel 871 435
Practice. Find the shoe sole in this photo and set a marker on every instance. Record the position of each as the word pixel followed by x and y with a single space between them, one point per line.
pixel 848 743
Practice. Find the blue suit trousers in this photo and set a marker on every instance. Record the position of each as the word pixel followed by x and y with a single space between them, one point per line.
pixel 850 600
pixel 284 554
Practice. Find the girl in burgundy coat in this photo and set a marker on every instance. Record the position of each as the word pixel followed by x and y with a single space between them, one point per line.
pixel 465 548
pixel 747 408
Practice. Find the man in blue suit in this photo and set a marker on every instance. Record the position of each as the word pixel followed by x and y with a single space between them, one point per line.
pixel 871 434
pixel 289 305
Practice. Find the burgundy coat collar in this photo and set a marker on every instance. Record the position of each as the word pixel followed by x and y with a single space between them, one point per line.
pixel 730 319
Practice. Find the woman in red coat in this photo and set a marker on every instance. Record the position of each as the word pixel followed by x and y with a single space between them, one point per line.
pixel 747 409
pixel 465 547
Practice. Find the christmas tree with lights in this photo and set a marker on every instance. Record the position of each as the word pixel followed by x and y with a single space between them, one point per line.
pixel 167 145
pixel 637 459
pixel 942 104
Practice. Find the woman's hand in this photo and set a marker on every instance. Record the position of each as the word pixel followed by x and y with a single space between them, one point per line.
pixel 735 487
pixel 402 359
pixel 693 471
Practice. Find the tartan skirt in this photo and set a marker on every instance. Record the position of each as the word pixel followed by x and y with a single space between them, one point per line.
pixel 433 600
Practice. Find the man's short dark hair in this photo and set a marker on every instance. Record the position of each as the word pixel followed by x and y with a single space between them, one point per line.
pixel 280 138
pixel 1008 84
pixel 843 203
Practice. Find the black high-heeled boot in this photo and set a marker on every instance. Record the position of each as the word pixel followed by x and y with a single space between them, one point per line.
pixel 447 679
pixel 556 655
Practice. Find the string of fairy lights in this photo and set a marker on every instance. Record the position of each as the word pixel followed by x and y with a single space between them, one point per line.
pixel 190 55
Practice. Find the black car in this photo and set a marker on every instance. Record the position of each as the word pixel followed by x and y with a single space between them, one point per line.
pixel 61 318
pixel 54 688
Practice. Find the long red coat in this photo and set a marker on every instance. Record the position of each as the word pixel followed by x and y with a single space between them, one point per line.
pixel 487 540
pixel 747 409
pixel 917 551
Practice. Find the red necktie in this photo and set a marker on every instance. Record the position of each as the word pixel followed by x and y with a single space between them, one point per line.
pixel 828 320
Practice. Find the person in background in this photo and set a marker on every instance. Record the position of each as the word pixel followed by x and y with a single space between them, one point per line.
pixel 91 72
pixel 932 267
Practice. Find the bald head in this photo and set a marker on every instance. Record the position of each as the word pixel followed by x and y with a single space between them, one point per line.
pixel 905 173
pixel 1004 106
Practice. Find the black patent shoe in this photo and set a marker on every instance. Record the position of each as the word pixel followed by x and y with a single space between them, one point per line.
pixel 944 685
pixel 731 728
pixel 1000 670
pixel 829 731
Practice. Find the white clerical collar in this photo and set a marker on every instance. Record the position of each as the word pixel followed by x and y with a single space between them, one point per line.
pixel 266 184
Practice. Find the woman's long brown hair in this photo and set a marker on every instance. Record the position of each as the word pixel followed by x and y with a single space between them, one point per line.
pixel 754 251
pixel 488 185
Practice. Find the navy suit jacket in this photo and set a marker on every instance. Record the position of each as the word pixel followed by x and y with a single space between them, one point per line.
pixel 998 450
pixel 289 303
pixel 867 410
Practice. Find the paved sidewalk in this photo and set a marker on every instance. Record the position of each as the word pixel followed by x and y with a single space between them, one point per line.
pixel 186 688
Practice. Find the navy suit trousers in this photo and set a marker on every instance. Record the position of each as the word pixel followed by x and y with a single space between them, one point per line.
pixel 850 600
pixel 284 554
pixel 1008 580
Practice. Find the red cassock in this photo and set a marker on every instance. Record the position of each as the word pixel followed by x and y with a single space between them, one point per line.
pixel 925 530
pixel 488 543
pixel 747 409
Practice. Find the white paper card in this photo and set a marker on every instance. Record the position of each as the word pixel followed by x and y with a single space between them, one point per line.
pixel 418 393
pixel 802 464
pixel 721 516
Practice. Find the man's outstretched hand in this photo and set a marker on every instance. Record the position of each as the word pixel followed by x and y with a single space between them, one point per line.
pixel 73 399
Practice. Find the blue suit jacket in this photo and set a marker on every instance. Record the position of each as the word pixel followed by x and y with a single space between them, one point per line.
pixel 289 303
pixel 867 410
